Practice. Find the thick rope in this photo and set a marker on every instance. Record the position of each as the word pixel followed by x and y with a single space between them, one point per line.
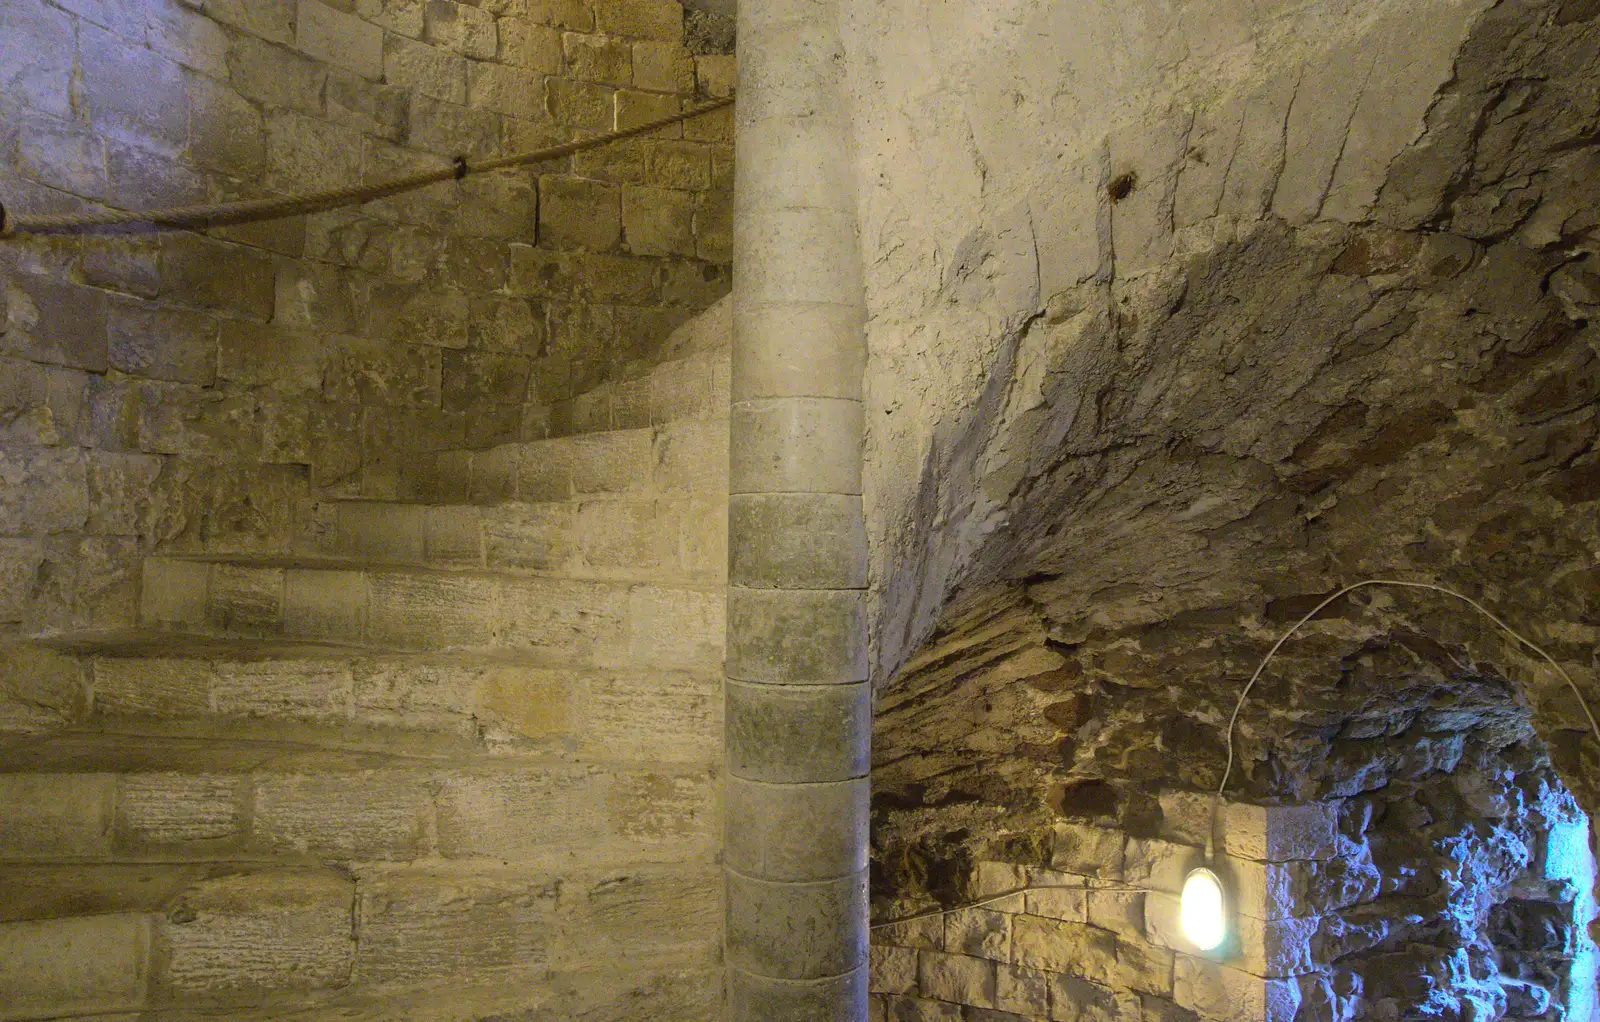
pixel 215 214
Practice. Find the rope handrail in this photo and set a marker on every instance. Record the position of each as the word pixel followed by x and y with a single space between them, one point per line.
pixel 249 210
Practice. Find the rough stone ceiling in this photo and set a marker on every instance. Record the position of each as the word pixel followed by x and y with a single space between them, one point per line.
pixel 1278 409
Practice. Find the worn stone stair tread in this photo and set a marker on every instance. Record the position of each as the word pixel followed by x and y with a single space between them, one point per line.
pixel 316 562
pixel 146 751
pixel 42 890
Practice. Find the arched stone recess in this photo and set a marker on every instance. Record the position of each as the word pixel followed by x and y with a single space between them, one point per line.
pixel 1177 458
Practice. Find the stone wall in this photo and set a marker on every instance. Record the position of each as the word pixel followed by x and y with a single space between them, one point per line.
pixel 291 723
pixel 194 390
pixel 1400 903
pixel 1411 848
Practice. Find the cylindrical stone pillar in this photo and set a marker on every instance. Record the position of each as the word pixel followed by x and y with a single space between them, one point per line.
pixel 798 704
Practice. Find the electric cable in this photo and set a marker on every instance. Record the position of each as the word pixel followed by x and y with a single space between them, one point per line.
pixel 1480 608
pixel 1105 885
pixel 249 210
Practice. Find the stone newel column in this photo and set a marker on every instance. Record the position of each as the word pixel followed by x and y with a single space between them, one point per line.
pixel 798 701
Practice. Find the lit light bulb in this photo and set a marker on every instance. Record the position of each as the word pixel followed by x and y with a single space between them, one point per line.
pixel 1201 912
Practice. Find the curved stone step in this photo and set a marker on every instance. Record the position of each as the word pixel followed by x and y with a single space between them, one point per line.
pixel 96 796
pixel 235 940
pixel 651 539
pixel 330 696
pixel 565 621
pixel 685 456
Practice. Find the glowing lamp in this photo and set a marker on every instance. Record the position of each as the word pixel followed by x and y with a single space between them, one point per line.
pixel 1201 910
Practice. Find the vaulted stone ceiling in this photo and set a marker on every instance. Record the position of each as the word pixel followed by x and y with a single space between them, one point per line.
pixel 1173 466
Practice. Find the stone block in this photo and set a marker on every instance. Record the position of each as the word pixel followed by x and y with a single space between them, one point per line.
pixel 536 537
pixel 150 686
pixel 132 93
pixel 372 815
pixel 89 966
pixel 796 636
pixel 246 934
pixel 307 153
pixel 781 365
pixel 766 548
pixel 1229 995
pixel 716 74
pixel 369 373
pixel 467 30
pixel 1121 912
pixel 275 77
pixel 372 109
pixel 174 592
pixel 507 324
pixel 179 810
pixel 425 70
pixel 536 47
pixel 415 693
pixel 960 979
pixel 796 445
pixel 1057 946
pixel 411 611
pixel 1064 895
pixel 524 702
pixel 677 629
pixel 1088 850
pixel 215 275
pixel 49 321
pixel 573 622
pixel 662 67
pixel 419 315
pixel 230 136
pixel 161 342
pixel 980 933
pixel 43 492
pixel 1159 865
pixel 484 926
pixel 453 535
pixel 336 37
pixel 325 604
pixel 585 106
pixel 1078 1000
pixel 245 599
pixel 917 1009
pixel 658 221
pixel 1142 967
pixel 55 816
pixel 798 931
pixel 532 815
pixel 183 34
pixel 299 689
pixel 615 463
pixel 37 53
pixel 796 832
pixel 662 716
pixel 634 108
pixel 595 58
pixel 641 19
pixel 626 538
pixel 1280 833
pixel 798 733
pixel 656 813
pixel 403 17
pixel 891 970
pixel 1022 991
pixel 64 156
pixel 574 213
pixel 450 130
pixel 504 90
pixel 272 20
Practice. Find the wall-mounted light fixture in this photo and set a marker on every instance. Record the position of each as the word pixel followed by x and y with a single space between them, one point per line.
pixel 1203 909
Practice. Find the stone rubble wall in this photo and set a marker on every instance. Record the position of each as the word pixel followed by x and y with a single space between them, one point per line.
pixel 1412 846
pixel 1314 926
pixel 193 390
